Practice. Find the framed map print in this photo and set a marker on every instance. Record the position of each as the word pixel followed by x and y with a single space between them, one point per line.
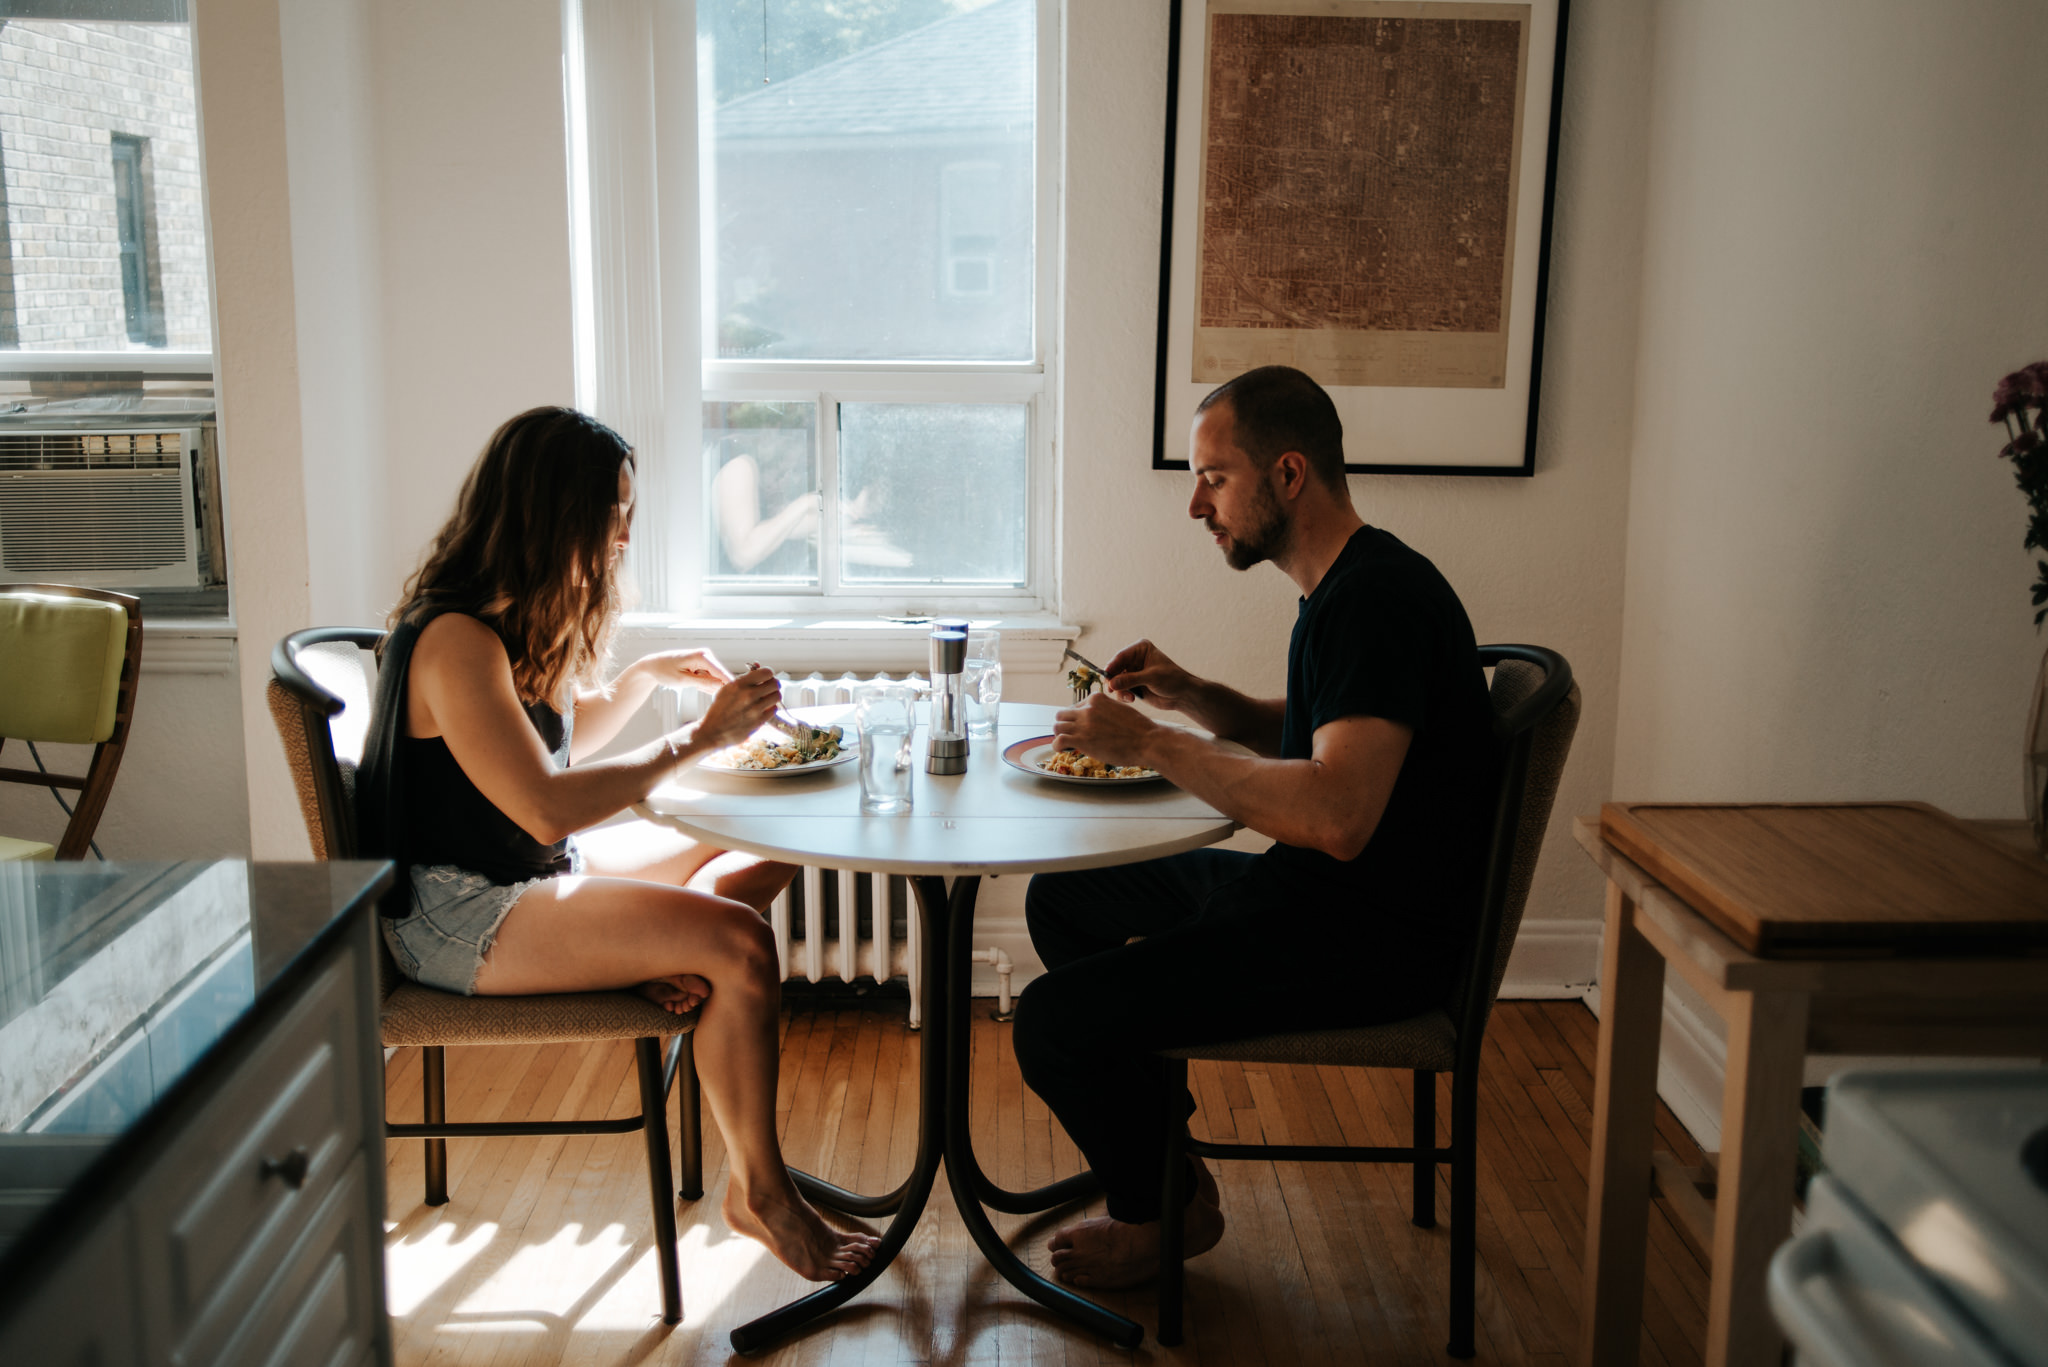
pixel 1362 189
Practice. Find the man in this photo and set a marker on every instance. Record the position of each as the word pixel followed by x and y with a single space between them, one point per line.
pixel 1374 775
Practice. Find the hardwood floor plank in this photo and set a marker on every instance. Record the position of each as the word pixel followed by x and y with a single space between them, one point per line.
pixel 1399 1331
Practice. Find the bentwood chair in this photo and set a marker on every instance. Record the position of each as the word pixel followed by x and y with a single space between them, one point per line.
pixel 321 684
pixel 69 661
pixel 1536 709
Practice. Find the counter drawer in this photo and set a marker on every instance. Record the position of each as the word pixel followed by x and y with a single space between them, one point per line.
pixel 239 1181
pixel 320 1308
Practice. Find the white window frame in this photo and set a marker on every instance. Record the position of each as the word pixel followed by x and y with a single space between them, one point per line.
pixel 684 543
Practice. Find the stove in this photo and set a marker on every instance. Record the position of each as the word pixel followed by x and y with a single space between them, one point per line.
pixel 1927 1236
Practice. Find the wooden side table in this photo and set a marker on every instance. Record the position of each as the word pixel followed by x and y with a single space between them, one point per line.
pixel 1777 1010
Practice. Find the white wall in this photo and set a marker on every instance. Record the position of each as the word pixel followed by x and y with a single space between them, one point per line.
pixel 1826 592
pixel 473 224
pixel 1827 598
pixel 332 124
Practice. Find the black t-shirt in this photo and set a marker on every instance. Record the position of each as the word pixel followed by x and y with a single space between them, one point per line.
pixel 1384 635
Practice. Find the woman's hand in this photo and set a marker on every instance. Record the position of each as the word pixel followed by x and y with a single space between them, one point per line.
pixel 739 708
pixel 685 669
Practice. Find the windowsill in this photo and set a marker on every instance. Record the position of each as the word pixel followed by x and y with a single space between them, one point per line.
pixel 188 645
pixel 795 643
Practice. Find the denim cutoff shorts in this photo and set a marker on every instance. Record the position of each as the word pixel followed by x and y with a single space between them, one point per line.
pixel 455 918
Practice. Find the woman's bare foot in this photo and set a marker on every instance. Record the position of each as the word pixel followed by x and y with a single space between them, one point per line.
pixel 679 992
pixel 1105 1253
pixel 795 1233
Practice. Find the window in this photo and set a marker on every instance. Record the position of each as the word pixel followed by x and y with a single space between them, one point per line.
pixel 873 204
pixel 102 230
pixel 141 295
pixel 871 222
pixel 970 228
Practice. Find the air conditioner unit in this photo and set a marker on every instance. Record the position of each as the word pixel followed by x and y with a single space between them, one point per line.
pixel 107 508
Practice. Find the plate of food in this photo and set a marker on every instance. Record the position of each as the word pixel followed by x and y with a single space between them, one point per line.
pixel 1040 758
pixel 780 756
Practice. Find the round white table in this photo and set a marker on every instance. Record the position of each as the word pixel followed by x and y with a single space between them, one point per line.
pixel 991 819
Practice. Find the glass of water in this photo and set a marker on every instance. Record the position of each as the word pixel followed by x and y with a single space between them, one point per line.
pixel 886 718
pixel 983 682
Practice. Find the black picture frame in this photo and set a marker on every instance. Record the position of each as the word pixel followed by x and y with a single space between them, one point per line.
pixel 1161 416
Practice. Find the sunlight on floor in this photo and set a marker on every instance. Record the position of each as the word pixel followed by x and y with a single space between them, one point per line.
pixel 557 1280
pixel 716 1268
pixel 415 1269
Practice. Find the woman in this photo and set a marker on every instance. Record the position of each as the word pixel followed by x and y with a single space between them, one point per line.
pixel 488 694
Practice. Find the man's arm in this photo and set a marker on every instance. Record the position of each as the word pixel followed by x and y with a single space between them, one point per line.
pixel 1331 801
pixel 1144 671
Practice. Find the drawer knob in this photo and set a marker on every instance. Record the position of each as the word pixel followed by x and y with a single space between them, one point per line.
pixel 290 1169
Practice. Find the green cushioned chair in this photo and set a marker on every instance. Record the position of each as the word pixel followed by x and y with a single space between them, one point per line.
pixel 69 659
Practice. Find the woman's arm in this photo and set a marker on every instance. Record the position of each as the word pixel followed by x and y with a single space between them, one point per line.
pixel 460 689
pixel 601 712
pixel 748 537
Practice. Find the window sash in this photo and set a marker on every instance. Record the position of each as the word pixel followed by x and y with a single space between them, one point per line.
pixel 831 597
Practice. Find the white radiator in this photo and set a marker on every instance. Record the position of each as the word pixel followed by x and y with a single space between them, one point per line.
pixel 831 923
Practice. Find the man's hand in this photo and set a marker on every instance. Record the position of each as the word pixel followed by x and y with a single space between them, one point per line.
pixel 1105 729
pixel 1143 671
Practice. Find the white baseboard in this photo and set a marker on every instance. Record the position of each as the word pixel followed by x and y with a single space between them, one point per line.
pixel 1692 1062
pixel 1553 960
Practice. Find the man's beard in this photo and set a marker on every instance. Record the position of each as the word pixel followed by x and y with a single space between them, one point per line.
pixel 1268 533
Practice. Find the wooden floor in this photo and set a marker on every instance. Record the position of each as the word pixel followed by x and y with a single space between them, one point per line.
pixel 543 1253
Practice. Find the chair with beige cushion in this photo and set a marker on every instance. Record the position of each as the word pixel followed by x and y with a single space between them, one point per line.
pixel 321 684
pixel 69 661
pixel 1536 710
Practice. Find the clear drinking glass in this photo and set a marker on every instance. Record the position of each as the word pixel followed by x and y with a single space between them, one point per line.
pixel 983 683
pixel 886 718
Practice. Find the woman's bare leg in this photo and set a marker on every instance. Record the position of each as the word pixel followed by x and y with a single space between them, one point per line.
pixel 661 854
pixel 583 933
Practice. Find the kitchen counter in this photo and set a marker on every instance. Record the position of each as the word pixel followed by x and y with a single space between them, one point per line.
pixel 137 1002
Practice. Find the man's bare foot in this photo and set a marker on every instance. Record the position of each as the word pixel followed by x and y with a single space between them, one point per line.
pixel 1105 1253
pixel 680 992
pixel 795 1233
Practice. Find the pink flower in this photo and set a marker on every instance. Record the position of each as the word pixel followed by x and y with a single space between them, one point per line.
pixel 2025 388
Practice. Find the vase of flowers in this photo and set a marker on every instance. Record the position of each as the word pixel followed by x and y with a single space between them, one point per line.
pixel 2021 403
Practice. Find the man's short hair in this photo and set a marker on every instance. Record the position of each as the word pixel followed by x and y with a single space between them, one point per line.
pixel 1276 409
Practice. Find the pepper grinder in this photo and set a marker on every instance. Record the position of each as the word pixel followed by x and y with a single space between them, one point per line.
pixel 946 748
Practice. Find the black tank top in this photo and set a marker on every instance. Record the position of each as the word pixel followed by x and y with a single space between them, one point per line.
pixel 415 805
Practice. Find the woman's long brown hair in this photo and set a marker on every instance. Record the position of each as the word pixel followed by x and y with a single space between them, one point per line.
pixel 529 549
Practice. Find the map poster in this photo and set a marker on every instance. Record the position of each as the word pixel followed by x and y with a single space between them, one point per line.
pixel 1360 189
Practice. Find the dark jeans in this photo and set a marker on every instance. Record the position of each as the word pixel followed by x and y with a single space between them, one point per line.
pixel 1229 951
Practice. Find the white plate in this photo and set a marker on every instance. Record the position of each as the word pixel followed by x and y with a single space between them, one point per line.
pixel 1025 755
pixel 847 754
